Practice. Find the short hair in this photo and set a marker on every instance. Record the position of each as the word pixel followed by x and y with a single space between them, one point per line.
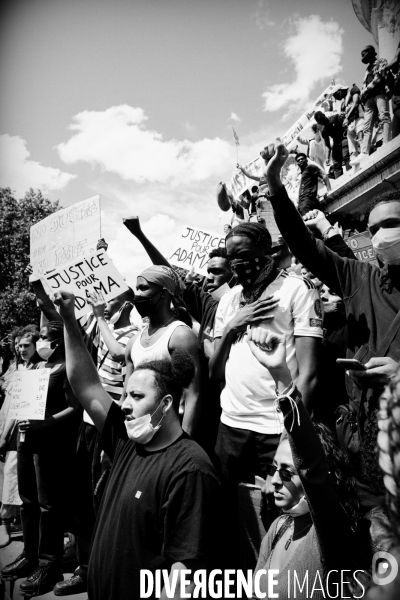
pixel 314 127
pixel 56 328
pixel 254 188
pixel 319 116
pixel 218 253
pixel 171 376
pixel 300 154
pixel 255 232
pixel 383 198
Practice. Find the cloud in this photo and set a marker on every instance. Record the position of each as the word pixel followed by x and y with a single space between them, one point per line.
pixel 235 117
pixel 119 141
pixel 261 16
pixel 20 173
pixel 315 50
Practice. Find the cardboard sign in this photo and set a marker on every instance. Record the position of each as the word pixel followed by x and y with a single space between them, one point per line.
pixel 362 247
pixel 64 236
pixel 193 247
pixel 29 394
pixel 93 272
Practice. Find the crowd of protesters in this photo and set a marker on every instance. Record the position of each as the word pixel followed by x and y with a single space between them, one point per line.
pixel 277 374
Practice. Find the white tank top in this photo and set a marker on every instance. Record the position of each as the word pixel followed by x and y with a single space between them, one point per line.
pixel 157 351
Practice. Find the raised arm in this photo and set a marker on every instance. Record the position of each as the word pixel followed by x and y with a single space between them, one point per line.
pixel 332 526
pixel 247 174
pixel 81 371
pixel 45 304
pixel 133 225
pixel 330 268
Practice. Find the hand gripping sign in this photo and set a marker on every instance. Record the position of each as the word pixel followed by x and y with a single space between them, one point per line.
pixel 93 272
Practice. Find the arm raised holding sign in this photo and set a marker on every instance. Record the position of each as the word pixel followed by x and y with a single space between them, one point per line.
pixel 81 371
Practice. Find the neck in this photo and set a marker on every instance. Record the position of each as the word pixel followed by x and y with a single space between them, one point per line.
pixel 123 321
pixel 302 525
pixel 160 318
pixel 168 433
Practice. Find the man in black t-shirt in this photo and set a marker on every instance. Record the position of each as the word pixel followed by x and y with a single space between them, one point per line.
pixel 160 507
pixel 311 174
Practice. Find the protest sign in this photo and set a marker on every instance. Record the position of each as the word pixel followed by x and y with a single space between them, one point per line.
pixel 28 394
pixel 361 245
pixel 193 247
pixel 64 236
pixel 92 272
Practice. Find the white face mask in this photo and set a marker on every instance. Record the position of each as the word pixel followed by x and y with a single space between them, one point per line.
pixel 386 243
pixel 44 349
pixel 141 430
pixel 117 315
pixel 301 508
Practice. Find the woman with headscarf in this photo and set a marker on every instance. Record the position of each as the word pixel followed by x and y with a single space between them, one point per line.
pixel 158 298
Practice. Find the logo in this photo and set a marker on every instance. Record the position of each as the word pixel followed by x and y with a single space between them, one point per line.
pixel 315 323
pixel 318 308
pixel 384 568
pixel 138 494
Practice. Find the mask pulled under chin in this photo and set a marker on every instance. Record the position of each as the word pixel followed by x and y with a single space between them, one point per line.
pixel 117 315
pixel 141 430
pixel 301 508
pixel 386 243
pixel 44 349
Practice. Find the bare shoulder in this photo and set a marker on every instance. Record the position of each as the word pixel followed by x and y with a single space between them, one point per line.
pixel 183 337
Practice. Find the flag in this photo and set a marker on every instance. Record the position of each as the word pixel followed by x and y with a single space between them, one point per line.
pixel 235 137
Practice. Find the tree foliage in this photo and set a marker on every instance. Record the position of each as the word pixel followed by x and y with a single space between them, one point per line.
pixel 17 302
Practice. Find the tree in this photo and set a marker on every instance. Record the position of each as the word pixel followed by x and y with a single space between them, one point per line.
pixel 17 302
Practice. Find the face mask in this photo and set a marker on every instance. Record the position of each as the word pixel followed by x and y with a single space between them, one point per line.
pixel 141 430
pixel 44 349
pixel 219 292
pixel 144 305
pixel 117 315
pixel 247 271
pixel 386 243
pixel 301 508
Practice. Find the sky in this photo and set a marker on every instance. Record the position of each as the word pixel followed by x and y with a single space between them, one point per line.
pixel 135 100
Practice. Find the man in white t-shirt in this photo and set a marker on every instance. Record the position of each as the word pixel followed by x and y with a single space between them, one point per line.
pixel 250 427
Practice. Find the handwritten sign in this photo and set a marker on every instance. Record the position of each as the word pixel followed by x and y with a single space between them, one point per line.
pixel 93 272
pixel 193 247
pixel 362 247
pixel 64 236
pixel 29 394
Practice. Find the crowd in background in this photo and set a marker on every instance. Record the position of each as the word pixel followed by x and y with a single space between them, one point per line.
pixel 246 420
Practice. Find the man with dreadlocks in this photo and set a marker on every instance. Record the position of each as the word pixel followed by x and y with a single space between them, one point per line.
pixel 45 455
pixel 250 427
pixel 159 297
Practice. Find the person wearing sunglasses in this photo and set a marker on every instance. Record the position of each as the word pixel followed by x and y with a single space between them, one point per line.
pixel 313 489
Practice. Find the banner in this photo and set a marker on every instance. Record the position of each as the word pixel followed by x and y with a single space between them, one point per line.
pixel 64 236
pixel 192 249
pixel 93 272
pixel 28 394
pixel 239 182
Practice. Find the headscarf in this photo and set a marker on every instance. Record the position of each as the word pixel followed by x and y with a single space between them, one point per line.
pixel 165 277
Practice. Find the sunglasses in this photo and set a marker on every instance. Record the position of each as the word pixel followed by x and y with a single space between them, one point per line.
pixel 284 474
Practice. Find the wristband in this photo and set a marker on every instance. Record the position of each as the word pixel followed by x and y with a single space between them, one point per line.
pixel 325 234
